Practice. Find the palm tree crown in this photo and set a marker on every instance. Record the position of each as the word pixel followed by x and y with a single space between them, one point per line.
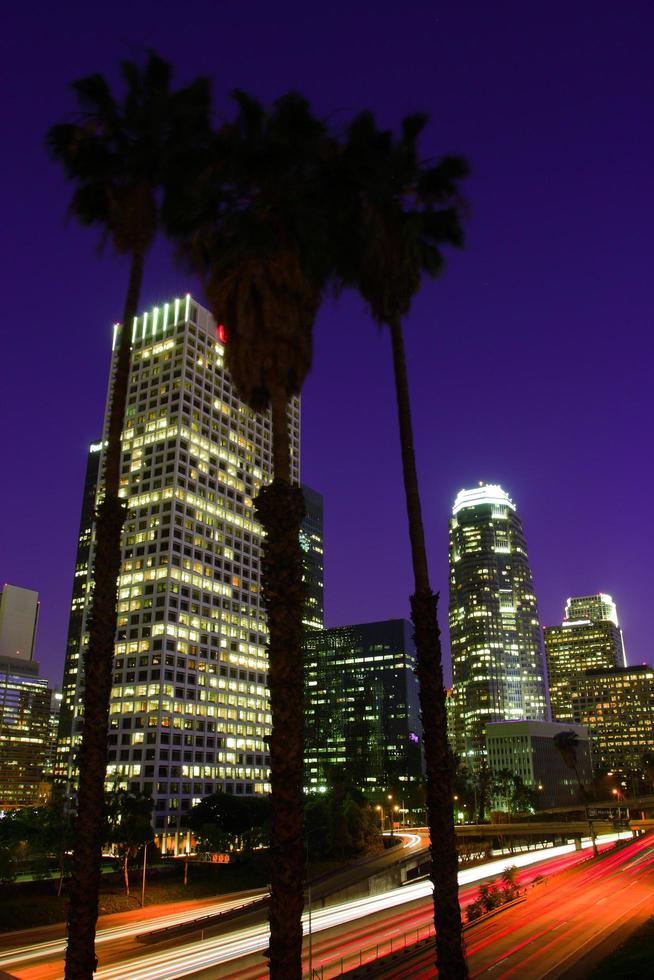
pixel 401 212
pixel 122 156
pixel 262 242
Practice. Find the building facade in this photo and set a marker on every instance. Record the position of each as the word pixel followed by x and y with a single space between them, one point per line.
pixel 24 734
pixel 617 706
pixel 527 749
pixel 19 616
pixel 82 594
pixel 362 714
pixel 589 638
pixel 497 659
pixel 312 544
pixel 189 706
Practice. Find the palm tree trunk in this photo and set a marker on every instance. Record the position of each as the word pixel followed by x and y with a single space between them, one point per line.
pixel 89 826
pixel 450 955
pixel 280 508
pixel 126 873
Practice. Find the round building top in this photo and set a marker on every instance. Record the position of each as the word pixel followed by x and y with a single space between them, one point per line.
pixel 485 493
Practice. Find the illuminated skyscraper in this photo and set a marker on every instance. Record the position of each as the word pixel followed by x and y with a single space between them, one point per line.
pixel 82 592
pixel 311 542
pixel 189 712
pixel 589 638
pixel 497 658
pixel 362 715
pixel 617 706
pixel 24 703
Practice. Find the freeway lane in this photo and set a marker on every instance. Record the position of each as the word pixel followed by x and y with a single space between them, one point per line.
pixel 125 926
pixel 346 927
pixel 555 933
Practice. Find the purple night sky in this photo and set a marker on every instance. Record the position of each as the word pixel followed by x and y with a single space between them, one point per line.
pixel 530 360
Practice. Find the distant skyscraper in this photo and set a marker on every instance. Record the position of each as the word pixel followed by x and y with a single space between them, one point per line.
pixel 589 638
pixel 362 714
pixel 24 703
pixel 24 734
pixel 82 592
pixel 497 658
pixel 19 614
pixel 189 712
pixel 311 541
pixel 617 706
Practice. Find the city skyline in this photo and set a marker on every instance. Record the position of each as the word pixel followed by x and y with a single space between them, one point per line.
pixel 549 289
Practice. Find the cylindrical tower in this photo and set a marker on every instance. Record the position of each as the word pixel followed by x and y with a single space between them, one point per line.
pixel 497 657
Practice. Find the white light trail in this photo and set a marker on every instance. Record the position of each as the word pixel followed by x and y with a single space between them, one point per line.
pixel 19 954
pixel 172 964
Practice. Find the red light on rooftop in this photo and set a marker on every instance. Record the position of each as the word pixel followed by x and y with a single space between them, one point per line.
pixel 222 334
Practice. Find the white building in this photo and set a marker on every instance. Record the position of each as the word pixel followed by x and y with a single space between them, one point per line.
pixel 189 712
pixel 19 614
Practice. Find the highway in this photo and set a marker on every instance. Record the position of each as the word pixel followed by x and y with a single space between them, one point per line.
pixel 341 935
pixel 563 929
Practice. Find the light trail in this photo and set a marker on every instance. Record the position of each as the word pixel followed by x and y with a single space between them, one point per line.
pixel 203 954
pixel 20 954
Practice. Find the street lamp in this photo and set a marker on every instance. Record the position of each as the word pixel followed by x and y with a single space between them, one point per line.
pixel 617 794
pixel 381 816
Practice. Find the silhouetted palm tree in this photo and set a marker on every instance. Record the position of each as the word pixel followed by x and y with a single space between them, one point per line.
pixel 262 249
pixel 398 212
pixel 567 744
pixel 123 156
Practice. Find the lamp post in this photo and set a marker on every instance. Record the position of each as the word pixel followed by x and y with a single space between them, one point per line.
pixel 617 794
pixel 380 809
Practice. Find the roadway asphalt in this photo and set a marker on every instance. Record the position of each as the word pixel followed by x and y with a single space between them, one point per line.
pixel 349 933
pixel 565 926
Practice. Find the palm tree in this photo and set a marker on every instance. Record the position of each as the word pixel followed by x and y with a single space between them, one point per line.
pixel 122 157
pixel 567 744
pixel 399 213
pixel 262 249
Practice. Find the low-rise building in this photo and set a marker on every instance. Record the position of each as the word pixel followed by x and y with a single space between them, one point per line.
pixel 527 749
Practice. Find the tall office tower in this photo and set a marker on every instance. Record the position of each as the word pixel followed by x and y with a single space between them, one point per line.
pixel 617 706
pixel 189 711
pixel 497 658
pixel 362 715
pixel 19 615
pixel 589 638
pixel 311 542
pixel 596 608
pixel 82 593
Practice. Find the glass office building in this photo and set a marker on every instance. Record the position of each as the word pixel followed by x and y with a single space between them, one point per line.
pixel 589 638
pixel 362 715
pixel 497 658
